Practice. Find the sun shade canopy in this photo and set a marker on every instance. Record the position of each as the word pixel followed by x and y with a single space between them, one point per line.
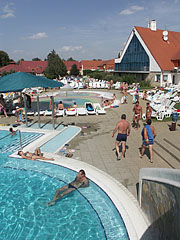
pixel 16 82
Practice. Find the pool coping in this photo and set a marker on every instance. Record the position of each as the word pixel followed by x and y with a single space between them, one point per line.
pixel 134 219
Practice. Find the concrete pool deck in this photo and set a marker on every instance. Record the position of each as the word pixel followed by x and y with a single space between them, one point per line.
pixel 96 145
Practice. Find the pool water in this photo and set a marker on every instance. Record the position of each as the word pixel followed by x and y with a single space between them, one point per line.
pixel 68 99
pixel 26 186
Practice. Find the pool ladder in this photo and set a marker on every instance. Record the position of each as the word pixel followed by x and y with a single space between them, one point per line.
pixel 20 138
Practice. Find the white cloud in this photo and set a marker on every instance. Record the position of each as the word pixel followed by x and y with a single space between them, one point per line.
pixel 7 11
pixel 70 48
pixel 131 10
pixel 18 51
pixel 39 35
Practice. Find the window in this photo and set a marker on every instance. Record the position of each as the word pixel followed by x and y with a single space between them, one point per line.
pixel 158 78
pixel 135 58
pixel 165 78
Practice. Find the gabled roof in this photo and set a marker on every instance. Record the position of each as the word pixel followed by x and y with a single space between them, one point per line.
pixel 162 51
pixel 70 63
pixel 34 66
pixel 14 67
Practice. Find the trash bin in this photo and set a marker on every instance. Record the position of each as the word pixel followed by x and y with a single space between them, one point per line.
pixel 174 120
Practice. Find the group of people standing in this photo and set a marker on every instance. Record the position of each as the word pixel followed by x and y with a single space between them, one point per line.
pixel 148 132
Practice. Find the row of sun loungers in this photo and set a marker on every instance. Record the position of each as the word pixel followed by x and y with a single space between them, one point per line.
pixel 89 109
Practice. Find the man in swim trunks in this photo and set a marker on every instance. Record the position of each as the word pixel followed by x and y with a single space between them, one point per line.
pixel 137 115
pixel 148 111
pixel 80 181
pixel 125 95
pixel 33 156
pixel 123 128
pixel 148 135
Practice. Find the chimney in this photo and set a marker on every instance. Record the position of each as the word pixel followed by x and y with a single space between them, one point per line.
pixel 152 25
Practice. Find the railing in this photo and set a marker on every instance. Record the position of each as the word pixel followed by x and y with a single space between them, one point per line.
pixel 20 138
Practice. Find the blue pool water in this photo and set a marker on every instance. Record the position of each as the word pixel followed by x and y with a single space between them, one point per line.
pixel 26 186
pixel 68 99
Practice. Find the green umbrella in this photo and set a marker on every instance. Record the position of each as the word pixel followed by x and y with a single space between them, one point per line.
pixel 16 82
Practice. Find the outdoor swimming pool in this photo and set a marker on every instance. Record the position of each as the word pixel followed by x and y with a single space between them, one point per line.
pixel 25 188
pixel 68 99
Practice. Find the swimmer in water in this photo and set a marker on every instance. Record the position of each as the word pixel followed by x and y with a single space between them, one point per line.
pixel 80 181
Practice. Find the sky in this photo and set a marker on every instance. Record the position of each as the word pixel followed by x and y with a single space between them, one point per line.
pixel 82 29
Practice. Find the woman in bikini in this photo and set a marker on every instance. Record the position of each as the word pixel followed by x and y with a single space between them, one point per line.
pixel 33 156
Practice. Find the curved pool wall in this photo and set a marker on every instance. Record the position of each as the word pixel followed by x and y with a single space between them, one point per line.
pixel 135 221
pixel 80 97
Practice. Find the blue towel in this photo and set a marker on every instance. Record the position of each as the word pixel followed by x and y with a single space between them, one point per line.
pixel 149 132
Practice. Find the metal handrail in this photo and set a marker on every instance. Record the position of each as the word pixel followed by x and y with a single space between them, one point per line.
pixel 5 136
pixel 20 138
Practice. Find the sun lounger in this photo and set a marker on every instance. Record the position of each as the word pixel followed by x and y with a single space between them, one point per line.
pixel 48 113
pixel 30 113
pixel 41 113
pixel 81 112
pixel 99 109
pixel 59 113
pixel 90 109
pixel 71 111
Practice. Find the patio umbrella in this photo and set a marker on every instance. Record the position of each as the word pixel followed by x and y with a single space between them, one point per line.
pixel 16 82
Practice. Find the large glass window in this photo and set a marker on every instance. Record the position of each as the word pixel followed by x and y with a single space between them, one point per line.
pixel 134 59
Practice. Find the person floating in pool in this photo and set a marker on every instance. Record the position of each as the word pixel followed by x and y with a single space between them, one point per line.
pixel 33 156
pixel 80 181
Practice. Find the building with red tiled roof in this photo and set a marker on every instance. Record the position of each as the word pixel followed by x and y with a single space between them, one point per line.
pixel 101 65
pixel 35 67
pixel 153 54
pixel 11 67
pixel 69 64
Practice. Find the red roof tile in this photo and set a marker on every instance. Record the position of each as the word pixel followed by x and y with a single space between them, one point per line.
pixel 97 64
pixel 34 66
pixel 14 67
pixel 70 63
pixel 162 51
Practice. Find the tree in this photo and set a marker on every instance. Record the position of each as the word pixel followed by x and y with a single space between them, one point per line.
pixel 36 59
pixel 18 62
pixel 4 59
pixel 74 70
pixel 70 59
pixel 55 67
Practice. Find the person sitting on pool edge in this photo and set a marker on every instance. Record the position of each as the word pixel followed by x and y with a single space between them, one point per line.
pixel 33 156
pixel 80 181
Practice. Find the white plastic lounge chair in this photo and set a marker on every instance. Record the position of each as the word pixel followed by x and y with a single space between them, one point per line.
pixel 71 111
pixel 90 109
pixel 81 111
pixel 41 113
pixel 48 113
pixel 99 109
pixel 59 113
pixel 30 113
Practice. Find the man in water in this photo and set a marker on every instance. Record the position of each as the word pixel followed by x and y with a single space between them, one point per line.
pixel 148 135
pixel 80 181
pixel 137 115
pixel 33 156
pixel 123 128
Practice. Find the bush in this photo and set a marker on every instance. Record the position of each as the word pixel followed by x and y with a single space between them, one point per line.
pixel 146 84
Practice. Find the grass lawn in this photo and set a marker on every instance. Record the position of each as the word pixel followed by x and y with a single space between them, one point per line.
pixel 177 105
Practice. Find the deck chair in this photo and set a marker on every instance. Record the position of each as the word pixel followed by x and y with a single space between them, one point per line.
pixel 90 109
pixel 71 111
pixel 59 113
pixel 81 112
pixel 99 109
